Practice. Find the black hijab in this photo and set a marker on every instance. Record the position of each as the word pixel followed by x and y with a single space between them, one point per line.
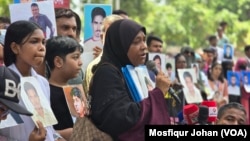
pixel 119 37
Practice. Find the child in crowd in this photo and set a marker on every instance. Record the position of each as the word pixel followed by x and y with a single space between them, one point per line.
pixel 9 103
pixel 24 50
pixel 63 57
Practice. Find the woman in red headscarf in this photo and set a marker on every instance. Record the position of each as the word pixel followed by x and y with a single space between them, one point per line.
pixel 241 65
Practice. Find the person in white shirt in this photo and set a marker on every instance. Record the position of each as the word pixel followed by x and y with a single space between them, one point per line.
pixel 25 49
pixel 213 44
pixel 233 89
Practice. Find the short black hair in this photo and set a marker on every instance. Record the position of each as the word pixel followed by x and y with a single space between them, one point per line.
pixel 211 38
pixel 151 38
pixel 209 50
pixel 187 74
pixel 64 13
pixel 187 49
pixel 5 20
pixel 119 12
pixel 28 86
pixel 34 5
pixel 60 46
pixel 233 75
pixel 76 92
pixel 222 110
pixel 223 23
pixel 168 65
pixel 247 47
pixel 98 11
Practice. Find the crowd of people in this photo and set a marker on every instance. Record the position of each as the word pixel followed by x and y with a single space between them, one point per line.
pixel 56 62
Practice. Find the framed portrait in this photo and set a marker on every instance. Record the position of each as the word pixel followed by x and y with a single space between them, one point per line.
pixel 245 80
pixel 46 11
pixel 191 92
pixel 228 52
pixel 35 101
pixel 93 17
pixel 233 79
pixel 76 100
pixel 159 59
pixel 170 68
pixel 57 3
pixel 196 68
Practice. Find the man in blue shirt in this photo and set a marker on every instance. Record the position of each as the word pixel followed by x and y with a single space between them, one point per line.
pixel 41 19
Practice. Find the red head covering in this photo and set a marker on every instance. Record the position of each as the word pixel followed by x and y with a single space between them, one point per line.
pixel 241 64
pixel 190 114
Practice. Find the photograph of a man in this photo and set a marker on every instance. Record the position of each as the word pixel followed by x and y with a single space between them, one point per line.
pixel 78 101
pixel 228 51
pixel 196 68
pixel 97 16
pixel 42 20
pixel 245 77
pixel 233 87
pixel 157 60
pixel 191 92
pixel 40 113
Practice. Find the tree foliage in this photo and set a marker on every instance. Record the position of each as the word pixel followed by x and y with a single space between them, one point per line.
pixel 183 22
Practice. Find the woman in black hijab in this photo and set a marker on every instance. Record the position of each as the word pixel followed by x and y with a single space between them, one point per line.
pixel 112 107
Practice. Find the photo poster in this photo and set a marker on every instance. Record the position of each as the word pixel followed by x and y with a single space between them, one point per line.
pixel 2 35
pixel 245 80
pixel 144 78
pixel 57 3
pixel 36 102
pixel 76 100
pixel 12 119
pixel 86 58
pixel 133 83
pixel 233 79
pixel 170 68
pixel 228 52
pixel 192 93
pixel 181 75
pixel 159 59
pixel 230 74
pixel 90 29
pixel 196 68
pixel 25 13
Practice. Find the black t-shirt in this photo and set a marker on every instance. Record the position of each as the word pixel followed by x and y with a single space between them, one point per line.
pixel 60 108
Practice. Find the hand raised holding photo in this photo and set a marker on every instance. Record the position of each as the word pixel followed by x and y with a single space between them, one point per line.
pixel 38 134
pixel 163 82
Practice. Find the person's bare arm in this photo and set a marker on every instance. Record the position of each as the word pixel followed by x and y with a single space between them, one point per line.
pixel 65 133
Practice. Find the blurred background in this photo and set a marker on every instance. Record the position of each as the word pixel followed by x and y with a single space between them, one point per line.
pixel 180 22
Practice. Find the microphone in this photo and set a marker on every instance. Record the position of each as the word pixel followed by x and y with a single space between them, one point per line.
pixel 203 115
pixel 190 114
pixel 151 66
pixel 212 110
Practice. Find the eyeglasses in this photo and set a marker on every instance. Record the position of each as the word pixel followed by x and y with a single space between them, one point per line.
pixel 4 111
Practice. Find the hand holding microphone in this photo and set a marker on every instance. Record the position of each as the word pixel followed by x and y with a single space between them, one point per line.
pixel 162 82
